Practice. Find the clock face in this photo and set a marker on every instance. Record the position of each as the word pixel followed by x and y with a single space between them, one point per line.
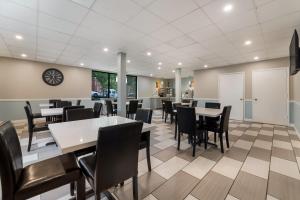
pixel 53 77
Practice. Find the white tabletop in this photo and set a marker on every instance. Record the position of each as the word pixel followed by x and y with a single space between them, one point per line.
pixel 77 135
pixel 46 104
pixel 208 112
pixel 46 112
pixel 127 103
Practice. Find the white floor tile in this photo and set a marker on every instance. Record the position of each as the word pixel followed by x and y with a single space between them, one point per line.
pixel 243 144
pixel 183 145
pixel 268 125
pixel 283 133
pixel 285 167
pixel 229 197
pixel 171 167
pixel 298 161
pixel 292 132
pixel 30 158
pixel 236 132
pixel 165 144
pixel 262 144
pixel 269 197
pixel 35 198
pixel 282 144
pixel 190 197
pixel 252 133
pixel 143 165
pixel 256 125
pixel 163 137
pixel 150 197
pixel 295 143
pixel 228 167
pixel 199 167
pixel 267 133
pixel 256 167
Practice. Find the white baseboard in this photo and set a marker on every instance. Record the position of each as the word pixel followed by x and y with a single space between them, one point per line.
pixel 248 120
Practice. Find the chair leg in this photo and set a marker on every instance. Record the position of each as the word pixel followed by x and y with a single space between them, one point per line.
pixel 215 137
pixel 178 145
pixel 205 139
pixel 148 157
pixel 194 145
pixel 221 142
pixel 29 141
pixel 227 139
pixel 80 189
pixel 122 183
pixel 172 118
pixel 135 187
pixel 72 189
pixel 166 116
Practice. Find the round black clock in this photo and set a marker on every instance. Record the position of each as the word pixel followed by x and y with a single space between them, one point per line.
pixel 53 76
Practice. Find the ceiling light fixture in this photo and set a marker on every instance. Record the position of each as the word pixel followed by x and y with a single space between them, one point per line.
pixel 173 71
pixel 228 8
pixel 180 63
pixel 205 66
pixel 23 55
pixel 19 37
pixel 256 58
pixel 81 64
pixel 151 75
pixel 128 61
pixel 248 42
pixel 105 49
pixel 159 68
pixel 149 53
pixel 160 63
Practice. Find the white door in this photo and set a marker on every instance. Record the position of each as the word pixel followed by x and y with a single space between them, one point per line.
pixel 270 95
pixel 231 92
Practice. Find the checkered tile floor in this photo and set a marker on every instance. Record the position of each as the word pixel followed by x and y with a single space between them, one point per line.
pixel 262 163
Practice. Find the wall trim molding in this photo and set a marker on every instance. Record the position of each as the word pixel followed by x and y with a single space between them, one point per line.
pixel 16 100
pixel 206 99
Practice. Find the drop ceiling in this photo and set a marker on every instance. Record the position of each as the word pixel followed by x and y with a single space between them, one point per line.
pixel 193 32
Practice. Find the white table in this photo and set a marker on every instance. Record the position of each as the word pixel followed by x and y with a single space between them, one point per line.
pixel 208 112
pixel 127 103
pixel 47 112
pixel 43 105
pixel 76 135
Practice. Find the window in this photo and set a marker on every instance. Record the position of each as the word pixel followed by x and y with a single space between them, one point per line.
pixel 105 85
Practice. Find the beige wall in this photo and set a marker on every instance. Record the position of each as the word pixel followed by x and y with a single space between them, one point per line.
pixel 146 86
pixel 21 79
pixel 206 81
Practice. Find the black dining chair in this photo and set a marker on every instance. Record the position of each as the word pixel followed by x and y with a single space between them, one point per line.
pixel 79 114
pixel 65 109
pixel 145 115
pixel 163 108
pixel 169 110
pixel 35 115
pixel 132 108
pixel 19 182
pixel 186 119
pixel 219 127
pixel 97 109
pixel 32 128
pixel 194 103
pixel 110 110
pixel 78 102
pixel 212 120
pixel 54 102
pixel 140 103
pixel 61 104
pixel 116 158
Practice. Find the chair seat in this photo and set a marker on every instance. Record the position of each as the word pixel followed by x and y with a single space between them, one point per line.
pixel 88 167
pixel 37 115
pixel 50 173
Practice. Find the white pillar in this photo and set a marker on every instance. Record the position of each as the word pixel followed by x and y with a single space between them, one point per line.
pixel 178 85
pixel 122 84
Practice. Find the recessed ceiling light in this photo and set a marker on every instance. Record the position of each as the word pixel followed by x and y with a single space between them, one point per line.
pixel 205 66
pixel 160 63
pixel 19 37
pixel 105 49
pixel 149 53
pixel 248 42
pixel 151 75
pixel 159 68
pixel 228 8
pixel 23 55
pixel 256 58
pixel 173 71
pixel 128 61
pixel 180 63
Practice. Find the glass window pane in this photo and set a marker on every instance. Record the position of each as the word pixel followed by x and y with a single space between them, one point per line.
pixel 99 85
pixel 131 87
pixel 113 91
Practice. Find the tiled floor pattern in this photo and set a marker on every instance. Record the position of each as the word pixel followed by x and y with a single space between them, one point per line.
pixel 262 163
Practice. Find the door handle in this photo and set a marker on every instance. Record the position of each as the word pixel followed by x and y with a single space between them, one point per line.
pixel 255 99
pixel 241 99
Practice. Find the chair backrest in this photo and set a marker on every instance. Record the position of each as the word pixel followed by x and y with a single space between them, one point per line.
pixel 185 100
pixel 117 154
pixel 168 107
pixel 144 115
pixel 186 120
pixel 141 100
pixel 97 109
pixel 133 106
pixel 194 103
pixel 61 104
pixel 29 115
pixel 54 102
pixel 11 159
pixel 212 105
pixel 28 103
pixel 175 105
pixel 224 124
pixel 78 102
pixel 109 106
pixel 79 114
pixel 65 109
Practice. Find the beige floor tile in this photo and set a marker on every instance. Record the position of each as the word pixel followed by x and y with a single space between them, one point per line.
pixel 143 166
pixel 298 161
pixel 282 138
pixel 251 133
pixel 177 187
pixel 295 143
pixel 199 167
pixel 256 125
pixel 268 125
pixel 283 133
pixel 190 197
pixel 248 138
pixel 269 197
pixel 167 153
pixel 259 153
pixel 236 132
pixel 282 144
pixel 150 197
pixel 228 167
pixel 243 144
pixel 187 154
pixel 229 197
pixel 262 144
pixel 183 145
pixel 265 137
pixel 236 153
pixel 171 167
pixel 256 167
pixel 283 154
pixel 212 153
pixel 285 167
pixel 265 132
pixel 165 143
pixel 164 136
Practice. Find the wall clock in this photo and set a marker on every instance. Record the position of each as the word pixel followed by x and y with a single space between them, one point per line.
pixel 53 76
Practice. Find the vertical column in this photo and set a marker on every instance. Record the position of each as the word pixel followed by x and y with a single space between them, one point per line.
pixel 178 85
pixel 122 84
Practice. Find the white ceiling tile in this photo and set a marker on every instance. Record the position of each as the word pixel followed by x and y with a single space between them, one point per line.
pixel 17 26
pixel 63 9
pixel 143 3
pixel 215 9
pixel 181 42
pixel 27 3
pixel 18 12
pixel 146 22
pixel 262 2
pixel 240 36
pixel 56 24
pixel 166 33
pixel 163 48
pixel 277 8
pixel 53 35
pixel 196 50
pixel 203 2
pixel 206 33
pixel 47 44
pixel 117 10
pixel 85 3
pixel 192 21
pixel 170 10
